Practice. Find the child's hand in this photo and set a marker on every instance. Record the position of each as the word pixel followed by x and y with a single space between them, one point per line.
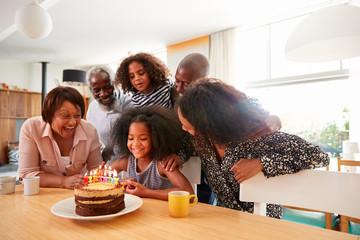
pixel 128 183
pixel 133 187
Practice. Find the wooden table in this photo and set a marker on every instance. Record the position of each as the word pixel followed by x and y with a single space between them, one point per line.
pixel 29 217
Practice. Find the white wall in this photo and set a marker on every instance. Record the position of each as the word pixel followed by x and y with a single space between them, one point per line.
pixel 177 52
pixel 15 74
pixel 29 76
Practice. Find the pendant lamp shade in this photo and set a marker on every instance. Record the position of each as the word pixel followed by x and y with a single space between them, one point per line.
pixel 330 34
pixel 33 21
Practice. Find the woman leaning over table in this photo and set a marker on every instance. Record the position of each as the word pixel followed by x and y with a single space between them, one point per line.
pixel 222 122
pixel 59 145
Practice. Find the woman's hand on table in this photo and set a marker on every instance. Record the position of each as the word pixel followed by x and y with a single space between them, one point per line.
pixel 246 168
pixel 171 162
pixel 71 181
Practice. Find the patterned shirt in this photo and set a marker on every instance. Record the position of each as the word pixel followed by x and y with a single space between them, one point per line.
pixel 150 177
pixel 280 153
pixel 159 96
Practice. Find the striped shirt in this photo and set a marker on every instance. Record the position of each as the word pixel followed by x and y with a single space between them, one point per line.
pixel 159 96
pixel 150 177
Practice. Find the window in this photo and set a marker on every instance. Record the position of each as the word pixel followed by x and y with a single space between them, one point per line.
pixel 311 99
pixel 253 54
pixel 314 111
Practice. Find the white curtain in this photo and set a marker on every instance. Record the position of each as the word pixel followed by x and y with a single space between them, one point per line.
pixel 223 55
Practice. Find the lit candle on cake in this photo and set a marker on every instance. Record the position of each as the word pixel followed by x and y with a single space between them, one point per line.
pixel 104 178
pixel 95 178
pixel 86 178
pixel 100 172
pixel 90 177
pixel 115 178
pixel 106 171
pixel 110 172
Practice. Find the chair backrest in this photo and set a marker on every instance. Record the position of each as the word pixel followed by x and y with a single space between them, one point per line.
pixel 334 192
pixel 192 171
pixel 342 162
pixel 345 219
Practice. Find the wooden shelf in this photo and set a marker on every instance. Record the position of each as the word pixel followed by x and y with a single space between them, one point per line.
pixel 16 117
pixel 14 105
pixel 21 91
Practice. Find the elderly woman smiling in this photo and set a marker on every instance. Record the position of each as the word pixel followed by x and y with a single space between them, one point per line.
pixel 59 146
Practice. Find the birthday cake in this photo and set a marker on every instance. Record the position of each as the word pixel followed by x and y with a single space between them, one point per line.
pixel 99 195
pixel 99 198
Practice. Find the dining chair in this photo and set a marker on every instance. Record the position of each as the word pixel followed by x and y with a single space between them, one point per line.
pixel 325 191
pixel 192 171
pixel 349 224
pixel 342 162
pixel 312 217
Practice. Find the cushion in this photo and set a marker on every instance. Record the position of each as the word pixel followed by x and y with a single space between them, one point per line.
pixel 316 219
pixel 354 228
pixel 13 153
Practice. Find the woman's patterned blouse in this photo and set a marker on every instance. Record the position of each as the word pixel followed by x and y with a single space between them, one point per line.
pixel 280 153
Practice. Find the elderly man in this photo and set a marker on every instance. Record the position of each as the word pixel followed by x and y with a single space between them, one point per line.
pixel 107 106
pixel 194 66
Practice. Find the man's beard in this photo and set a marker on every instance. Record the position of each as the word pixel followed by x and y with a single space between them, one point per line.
pixel 114 104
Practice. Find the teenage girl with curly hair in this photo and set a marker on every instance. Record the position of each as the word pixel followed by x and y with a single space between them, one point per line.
pixel 147 77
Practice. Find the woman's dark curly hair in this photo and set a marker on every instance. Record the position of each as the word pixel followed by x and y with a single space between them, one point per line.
pixel 165 128
pixel 155 68
pixel 221 113
pixel 55 98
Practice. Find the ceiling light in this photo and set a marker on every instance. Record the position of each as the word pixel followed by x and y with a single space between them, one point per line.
pixel 33 21
pixel 329 34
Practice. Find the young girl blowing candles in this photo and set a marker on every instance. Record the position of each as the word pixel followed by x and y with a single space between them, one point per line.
pixel 145 136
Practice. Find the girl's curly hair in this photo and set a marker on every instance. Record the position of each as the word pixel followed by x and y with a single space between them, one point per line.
pixel 165 128
pixel 155 68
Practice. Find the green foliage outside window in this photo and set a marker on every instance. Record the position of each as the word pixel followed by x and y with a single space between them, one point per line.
pixel 330 138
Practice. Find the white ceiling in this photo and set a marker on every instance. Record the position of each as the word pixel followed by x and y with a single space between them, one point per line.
pixel 88 32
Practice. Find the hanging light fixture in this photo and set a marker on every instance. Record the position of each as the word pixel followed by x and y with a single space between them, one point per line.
pixel 33 21
pixel 329 34
pixel 75 77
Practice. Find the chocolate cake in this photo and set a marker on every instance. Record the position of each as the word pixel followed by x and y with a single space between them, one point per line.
pixel 99 198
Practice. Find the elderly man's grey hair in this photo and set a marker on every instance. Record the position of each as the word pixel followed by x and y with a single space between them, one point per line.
pixel 100 69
